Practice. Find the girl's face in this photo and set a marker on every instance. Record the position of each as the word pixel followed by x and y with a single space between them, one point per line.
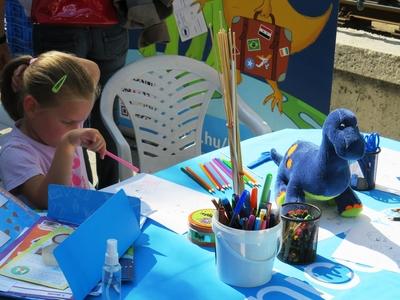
pixel 48 124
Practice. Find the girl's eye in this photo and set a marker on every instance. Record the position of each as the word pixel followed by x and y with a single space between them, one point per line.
pixel 342 126
pixel 69 123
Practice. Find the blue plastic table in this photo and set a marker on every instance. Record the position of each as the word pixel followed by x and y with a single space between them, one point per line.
pixel 169 266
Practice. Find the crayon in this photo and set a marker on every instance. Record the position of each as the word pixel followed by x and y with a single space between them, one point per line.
pixel 197 179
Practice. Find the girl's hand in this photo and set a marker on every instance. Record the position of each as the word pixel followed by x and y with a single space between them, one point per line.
pixel 87 137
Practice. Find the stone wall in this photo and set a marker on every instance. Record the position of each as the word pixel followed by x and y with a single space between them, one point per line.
pixel 367 80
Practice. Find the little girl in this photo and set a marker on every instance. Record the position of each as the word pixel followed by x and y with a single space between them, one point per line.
pixel 49 97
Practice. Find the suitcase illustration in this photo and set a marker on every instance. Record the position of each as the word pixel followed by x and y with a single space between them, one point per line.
pixel 262 49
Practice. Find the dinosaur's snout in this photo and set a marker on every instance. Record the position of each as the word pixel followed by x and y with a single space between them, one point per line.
pixel 353 148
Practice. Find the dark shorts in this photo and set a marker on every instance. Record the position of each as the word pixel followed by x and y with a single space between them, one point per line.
pixel 107 46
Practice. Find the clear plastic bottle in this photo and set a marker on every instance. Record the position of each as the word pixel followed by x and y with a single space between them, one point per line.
pixel 111 280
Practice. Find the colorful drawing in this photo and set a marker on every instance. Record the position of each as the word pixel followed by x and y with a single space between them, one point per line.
pixel 27 262
pixel 301 89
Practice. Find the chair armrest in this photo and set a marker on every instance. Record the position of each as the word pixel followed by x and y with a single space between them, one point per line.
pixel 122 146
pixel 248 116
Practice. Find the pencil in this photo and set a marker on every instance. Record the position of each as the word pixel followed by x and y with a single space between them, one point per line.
pixel 226 182
pixel 123 162
pixel 224 168
pixel 247 177
pixel 208 174
pixel 188 171
pixel 251 178
pixel 213 175
pixel 212 172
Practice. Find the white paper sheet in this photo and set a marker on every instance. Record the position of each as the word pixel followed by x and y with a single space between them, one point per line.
pixel 4 237
pixel 331 223
pixel 165 202
pixel 3 200
pixel 388 171
pixel 374 242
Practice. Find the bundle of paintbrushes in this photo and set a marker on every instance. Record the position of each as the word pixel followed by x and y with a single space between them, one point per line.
pixel 227 59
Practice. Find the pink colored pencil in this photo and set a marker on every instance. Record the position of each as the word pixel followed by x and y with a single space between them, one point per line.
pixel 123 162
pixel 221 165
pixel 216 182
pixel 217 177
pixel 226 182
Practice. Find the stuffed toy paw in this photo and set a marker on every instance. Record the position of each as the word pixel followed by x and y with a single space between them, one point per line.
pixel 309 171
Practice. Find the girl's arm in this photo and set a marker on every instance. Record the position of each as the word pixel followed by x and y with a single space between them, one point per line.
pixel 60 172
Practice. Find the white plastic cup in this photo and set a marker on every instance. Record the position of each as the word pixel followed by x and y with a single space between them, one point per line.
pixel 245 258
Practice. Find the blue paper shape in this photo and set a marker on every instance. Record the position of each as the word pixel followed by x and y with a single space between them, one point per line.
pixel 74 205
pixel 81 256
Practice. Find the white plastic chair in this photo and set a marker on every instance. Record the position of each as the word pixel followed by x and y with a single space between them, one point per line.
pixel 167 98
pixel 5 124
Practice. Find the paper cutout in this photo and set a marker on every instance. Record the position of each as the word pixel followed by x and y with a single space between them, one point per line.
pixel 74 205
pixel 81 256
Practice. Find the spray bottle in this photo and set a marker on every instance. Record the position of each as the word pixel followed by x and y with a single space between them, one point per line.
pixel 111 280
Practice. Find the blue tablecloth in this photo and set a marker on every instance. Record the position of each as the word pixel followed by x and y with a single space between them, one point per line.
pixel 169 266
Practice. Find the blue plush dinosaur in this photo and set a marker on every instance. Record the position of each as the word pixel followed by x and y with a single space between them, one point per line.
pixel 309 171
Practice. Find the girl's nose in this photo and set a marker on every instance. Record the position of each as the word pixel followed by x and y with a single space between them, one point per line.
pixel 76 126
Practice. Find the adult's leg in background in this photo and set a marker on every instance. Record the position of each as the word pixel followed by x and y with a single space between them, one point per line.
pixel 108 49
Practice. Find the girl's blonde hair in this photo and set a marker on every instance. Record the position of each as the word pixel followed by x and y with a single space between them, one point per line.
pixel 39 79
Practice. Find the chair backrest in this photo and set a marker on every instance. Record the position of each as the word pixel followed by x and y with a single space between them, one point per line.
pixel 167 98
pixel 5 124
pixel 5 120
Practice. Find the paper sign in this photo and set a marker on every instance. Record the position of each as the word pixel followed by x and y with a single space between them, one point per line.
pixel 189 19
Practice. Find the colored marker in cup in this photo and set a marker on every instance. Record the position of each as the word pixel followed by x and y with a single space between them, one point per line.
pixel 122 161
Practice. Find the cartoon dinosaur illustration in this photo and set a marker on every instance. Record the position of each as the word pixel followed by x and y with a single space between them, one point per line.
pixel 309 171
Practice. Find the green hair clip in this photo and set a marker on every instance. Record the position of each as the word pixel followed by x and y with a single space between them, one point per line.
pixel 57 86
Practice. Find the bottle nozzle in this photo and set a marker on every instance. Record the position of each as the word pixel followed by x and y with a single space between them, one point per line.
pixel 112 252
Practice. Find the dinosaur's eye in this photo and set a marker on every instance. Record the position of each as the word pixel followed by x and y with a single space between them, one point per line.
pixel 342 126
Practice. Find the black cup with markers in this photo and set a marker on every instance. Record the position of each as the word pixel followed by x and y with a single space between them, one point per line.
pixel 363 171
pixel 300 224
